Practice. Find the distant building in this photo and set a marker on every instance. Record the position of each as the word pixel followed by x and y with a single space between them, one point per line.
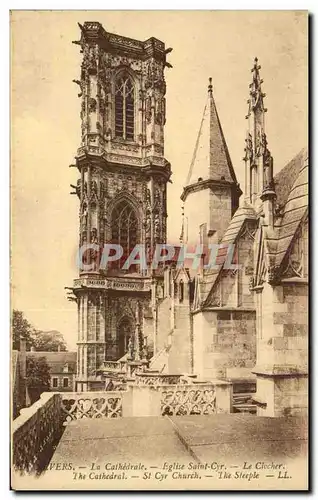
pixel 62 366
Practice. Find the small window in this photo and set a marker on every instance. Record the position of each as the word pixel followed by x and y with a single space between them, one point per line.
pixel 65 382
pixel 55 382
pixel 181 291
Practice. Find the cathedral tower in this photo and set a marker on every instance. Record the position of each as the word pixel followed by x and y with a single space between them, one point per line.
pixel 211 194
pixel 122 191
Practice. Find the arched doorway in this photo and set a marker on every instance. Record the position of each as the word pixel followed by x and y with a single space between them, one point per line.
pixel 125 332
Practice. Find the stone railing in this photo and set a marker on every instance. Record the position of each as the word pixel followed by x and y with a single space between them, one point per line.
pixel 188 399
pixel 75 406
pixel 35 431
pixel 145 378
pixel 112 366
pixel 39 427
pixel 203 398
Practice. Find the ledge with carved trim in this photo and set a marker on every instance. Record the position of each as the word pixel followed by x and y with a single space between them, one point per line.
pixel 209 183
pixel 97 155
pixel 122 45
pixel 276 370
pixel 223 308
pixel 122 284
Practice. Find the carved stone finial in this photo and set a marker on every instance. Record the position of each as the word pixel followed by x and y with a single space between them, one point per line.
pixel 210 87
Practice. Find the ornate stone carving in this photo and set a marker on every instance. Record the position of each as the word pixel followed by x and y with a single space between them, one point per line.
pixel 91 405
pixel 90 58
pixel 160 111
pixel 84 216
pixel 248 148
pixel 187 399
pixel 268 179
pixel 148 109
pixel 94 238
pixel 295 259
pixel 154 76
pixel 92 104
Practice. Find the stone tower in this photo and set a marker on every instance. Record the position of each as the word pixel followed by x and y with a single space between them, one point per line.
pixel 122 191
pixel 211 194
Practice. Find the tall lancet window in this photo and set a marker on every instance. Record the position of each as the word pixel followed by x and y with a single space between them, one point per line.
pixel 124 226
pixel 124 108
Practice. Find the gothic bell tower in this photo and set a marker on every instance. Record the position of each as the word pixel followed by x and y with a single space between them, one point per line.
pixel 121 188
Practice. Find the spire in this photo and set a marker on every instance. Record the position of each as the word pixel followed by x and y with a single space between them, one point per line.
pixel 258 159
pixel 211 159
pixel 256 100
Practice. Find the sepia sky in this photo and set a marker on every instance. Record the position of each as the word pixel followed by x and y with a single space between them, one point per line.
pixel 46 123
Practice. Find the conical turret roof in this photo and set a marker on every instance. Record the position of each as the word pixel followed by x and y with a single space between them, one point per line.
pixel 211 159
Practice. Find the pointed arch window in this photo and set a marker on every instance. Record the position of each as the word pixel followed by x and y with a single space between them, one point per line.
pixel 181 291
pixel 124 228
pixel 125 108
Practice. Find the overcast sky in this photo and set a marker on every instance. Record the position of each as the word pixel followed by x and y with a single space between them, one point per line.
pixel 46 123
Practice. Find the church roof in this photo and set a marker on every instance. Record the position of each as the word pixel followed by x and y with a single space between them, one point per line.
pixel 296 205
pixel 243 213
pixel 211 159
pixel 291 185
pixel 287 176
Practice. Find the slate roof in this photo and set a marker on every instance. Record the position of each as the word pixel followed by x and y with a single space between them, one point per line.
pixel 243 213
pixel 57 360
pixel 287 176
pixel 212 160
pixel 296 205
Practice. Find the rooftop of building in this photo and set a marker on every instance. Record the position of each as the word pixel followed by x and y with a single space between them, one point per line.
pixel 57 359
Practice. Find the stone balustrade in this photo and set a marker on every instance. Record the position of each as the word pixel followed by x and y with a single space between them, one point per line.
pixel 148 378
pixel 39 427
pixel 35 431
pixel 79 405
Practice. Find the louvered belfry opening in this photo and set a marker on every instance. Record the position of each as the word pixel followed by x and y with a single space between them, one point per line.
pixel 124 108
pixel 124 231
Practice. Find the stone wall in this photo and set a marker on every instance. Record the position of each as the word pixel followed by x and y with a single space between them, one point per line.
pixel 180 355
pixel 163 323
pixel 210 206
pixel 196 209
pixel 224 341
pixel 220 209
pixel 282 362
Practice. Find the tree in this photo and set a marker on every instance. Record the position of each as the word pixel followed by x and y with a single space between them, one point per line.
pixel 37 377
pixel 21 329
pixel 49 341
